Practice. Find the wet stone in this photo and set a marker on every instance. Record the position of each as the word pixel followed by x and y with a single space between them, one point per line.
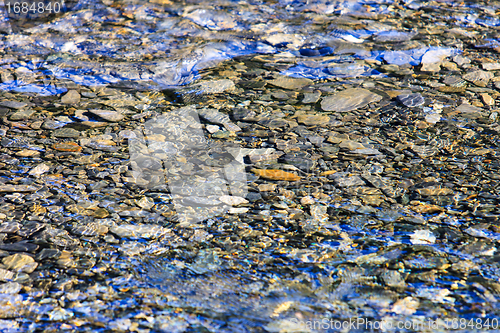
pixel 310 98
pixel 22 115
pixel 411 100
pixel 71 97
pixel 108 115
pixel 67 146
pixel 20 262
pixel 290 83
pixel 66 132
pixel 13 104
pixel 349 99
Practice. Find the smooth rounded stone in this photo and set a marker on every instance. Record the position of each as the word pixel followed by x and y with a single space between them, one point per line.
pixel 312 119
pixel 147 231
pixel 411 100
pixel 108 115
pixel 20 262
pixel 19 188
pixel 349 99
pixel 10 227
pixel 10 288
pixel 66 132
pixel 233 200
pixel 39 170
pixel 71 97
pixel 22 115
pixel 290 83
pixel 267 187
pixel 13 104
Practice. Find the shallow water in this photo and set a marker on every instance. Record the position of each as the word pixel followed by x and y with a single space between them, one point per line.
pixel 386 212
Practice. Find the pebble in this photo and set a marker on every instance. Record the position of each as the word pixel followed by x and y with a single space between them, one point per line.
pixel 71 97
pixel 411 100
pixel 289 83
pixel 233 200
pixel 66 132
pixel 422 237
pixel 108 115
pixel 39 170
pixel 349 99
pixel 273 174
pixel 67 146
pixel 312 120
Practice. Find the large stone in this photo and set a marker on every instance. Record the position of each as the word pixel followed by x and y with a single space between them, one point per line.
pixel 20 262
pixel 349 99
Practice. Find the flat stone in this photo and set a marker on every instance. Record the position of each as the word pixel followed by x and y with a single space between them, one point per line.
pixel 67 146
pixel 39 170
pixel 233 200
pixel 311 120
pixel 19 188
pixel 22 246
pixel 66 132
pixel 108 115
pixel 411 100
pixel 139 231
pixel 349 99
pixel 9 227
pixel 290 83
pixel 467 108
pixel 311 98
pixel 71 97
pixel 13 104
pixel 491 66
pixel 22 115
pixel 20 262
pixel 5 275
pixel 478 76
